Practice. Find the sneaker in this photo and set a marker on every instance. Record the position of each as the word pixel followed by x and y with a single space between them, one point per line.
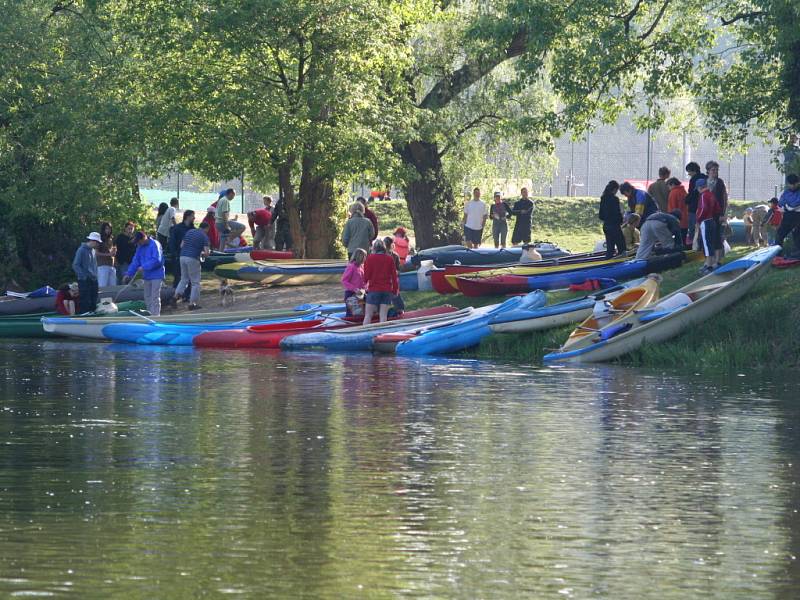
pixel 705 270
pixel 195 307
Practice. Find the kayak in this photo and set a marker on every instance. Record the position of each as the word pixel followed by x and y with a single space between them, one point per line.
pixel 443 278
pixel 673 314
pixel 784 263
pixel 608 312
pixel 287 272
pixel 93 328
pixel 256 336
pixel 475 285
pixel 118 293
pixel 215 259
pixel 449 255
pixel 30 326
pixel 470 331
pixel 359 338
pixel 270 254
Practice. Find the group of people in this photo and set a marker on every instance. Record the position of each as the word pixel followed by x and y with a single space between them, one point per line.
pixel 476 213
pixel 772 223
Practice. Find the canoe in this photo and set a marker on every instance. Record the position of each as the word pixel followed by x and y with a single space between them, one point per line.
pixel 474 285
pixel 93 328
pixel 560 313
pixel 30 326
pixel 270 254
pixel 288 272
pixel 780 262
pixel 467 332
pixel 449 255
pixel 119 293
pixel 608 312
pixel 256 336
pixel 673 314
pixel 216 258
pixel 443 278
pixel 359 338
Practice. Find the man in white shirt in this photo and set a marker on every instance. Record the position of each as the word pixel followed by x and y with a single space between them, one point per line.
pixel 167 221
pixel 223 216
pixel 475 214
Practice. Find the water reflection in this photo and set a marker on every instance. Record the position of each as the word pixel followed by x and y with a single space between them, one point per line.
pixel 166 472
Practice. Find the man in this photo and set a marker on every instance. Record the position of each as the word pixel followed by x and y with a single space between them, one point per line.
pixel 176 235
pixel 259 221
pixel 283 232
pixel 474 219
pixel 358 231
pixel 373 218
pixel 149 259
pixel 223 216
pixel 269 237
pixel 499 213
pixel 167 222
pixel 789 203
pixel 717 187
pixel 523 211
pixel 658 189
pixel 677 201
pixel 85 266
pixel 126 248
pixel 693 195
pixel 195 245
pixel 639 202
pixel 661 231
pixel 759 218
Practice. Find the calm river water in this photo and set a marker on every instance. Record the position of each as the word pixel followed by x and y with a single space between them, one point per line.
pixel 129 472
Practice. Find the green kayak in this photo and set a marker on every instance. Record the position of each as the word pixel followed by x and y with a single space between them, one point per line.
pixel 30 326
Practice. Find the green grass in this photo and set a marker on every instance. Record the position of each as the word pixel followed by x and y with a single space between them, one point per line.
pixel 760 331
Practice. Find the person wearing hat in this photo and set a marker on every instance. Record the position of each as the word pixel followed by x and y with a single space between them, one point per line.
pixel 523 212
pixel 499 213
pixel 661 232
pixel 85 266
pixel 772 219
pixel 401 243
pixel 149 259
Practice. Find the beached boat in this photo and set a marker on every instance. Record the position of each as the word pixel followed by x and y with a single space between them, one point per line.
pixel 449 255
pixel 673 314
pixel 264 255
pixel 30 326
pixel 289 272
pixel 10 305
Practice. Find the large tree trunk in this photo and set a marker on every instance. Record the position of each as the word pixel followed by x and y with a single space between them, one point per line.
pixel 319 213
pixel 292 207
pixel 436 217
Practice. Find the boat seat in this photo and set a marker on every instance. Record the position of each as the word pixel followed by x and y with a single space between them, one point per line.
pixel 668 306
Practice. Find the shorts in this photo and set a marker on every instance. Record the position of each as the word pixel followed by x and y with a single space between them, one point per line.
pixel 378 298
pixel 473 236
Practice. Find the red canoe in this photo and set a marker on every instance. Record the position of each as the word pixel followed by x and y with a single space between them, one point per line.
pixel 784 263
pixel 270 254
pixel 270 335
pixel 499 285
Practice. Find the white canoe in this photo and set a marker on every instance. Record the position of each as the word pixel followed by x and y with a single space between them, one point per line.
pixel 693 303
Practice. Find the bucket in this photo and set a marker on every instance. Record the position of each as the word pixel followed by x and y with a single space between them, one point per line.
pixel 423 280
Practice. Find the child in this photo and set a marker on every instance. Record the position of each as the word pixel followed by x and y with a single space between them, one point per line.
pixel 630 231
pixel 397 299
pixel 67 299
pixel 401 243
pixel 748 226
pixel 380 275
pixel 353 281
pixel 773 219
pixel 708 210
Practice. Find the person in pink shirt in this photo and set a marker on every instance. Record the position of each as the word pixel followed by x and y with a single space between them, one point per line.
pixel 401 243
pixel 353 278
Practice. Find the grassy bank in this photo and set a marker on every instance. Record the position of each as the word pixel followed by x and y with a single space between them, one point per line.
pixel 760 331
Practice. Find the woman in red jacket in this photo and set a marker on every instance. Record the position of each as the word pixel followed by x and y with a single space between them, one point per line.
pixel 380 277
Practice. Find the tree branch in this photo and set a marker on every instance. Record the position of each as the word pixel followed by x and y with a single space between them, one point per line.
pixel 480 120
pixel 657 20
pixel 749 16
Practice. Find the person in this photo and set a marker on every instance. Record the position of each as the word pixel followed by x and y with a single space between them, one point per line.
pixel 677 201
pixel 499 214
pixel 373 218
pixel 708 210
pixel 176 237
pixel 523 213
pixel 759 214
pixel 358 230
pixel 611 216
pixel 474 219
pixel 382 282
pixel 67 299
pixel 397 300
pixel 692 196
pixel 149 259
pixel 630 230
pixel 162 210
pixel 789 203
pixel 85 266
pixel 283 231
pixel 223 216
pixel 194 246
pixel 353 279
pixel 658 189
pixel 259 221
pixel 105 253
pixel 639 202
pixel 661 231
pixel 772 220
pixel 747 219
pixel 167 222
pixel 717 187
pixel 401 243
pixel 211 232
pixel 529 255
pixel 126 248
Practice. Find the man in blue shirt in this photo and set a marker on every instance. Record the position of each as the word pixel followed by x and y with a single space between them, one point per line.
pixel 85 266
pixel 789 203
pixel 195 245
pixel 639 202
pixel 149 259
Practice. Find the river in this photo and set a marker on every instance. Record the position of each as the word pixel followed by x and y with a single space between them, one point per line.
pixel 136 472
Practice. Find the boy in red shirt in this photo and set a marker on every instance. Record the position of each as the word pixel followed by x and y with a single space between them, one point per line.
pixel 707 212
pixel 382 281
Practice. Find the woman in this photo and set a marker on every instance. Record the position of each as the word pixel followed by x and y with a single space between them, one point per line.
pixel 677 201
pixel 126 248
pixel 401 243
pixel 162 210
pixel 106 253
pixel 611 216
pixel 397 300
pixel 380 277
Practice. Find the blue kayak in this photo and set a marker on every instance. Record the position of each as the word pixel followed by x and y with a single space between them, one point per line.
pixel 443 256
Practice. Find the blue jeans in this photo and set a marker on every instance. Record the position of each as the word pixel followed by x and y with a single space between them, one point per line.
pixel 87 300
pixel 692 224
